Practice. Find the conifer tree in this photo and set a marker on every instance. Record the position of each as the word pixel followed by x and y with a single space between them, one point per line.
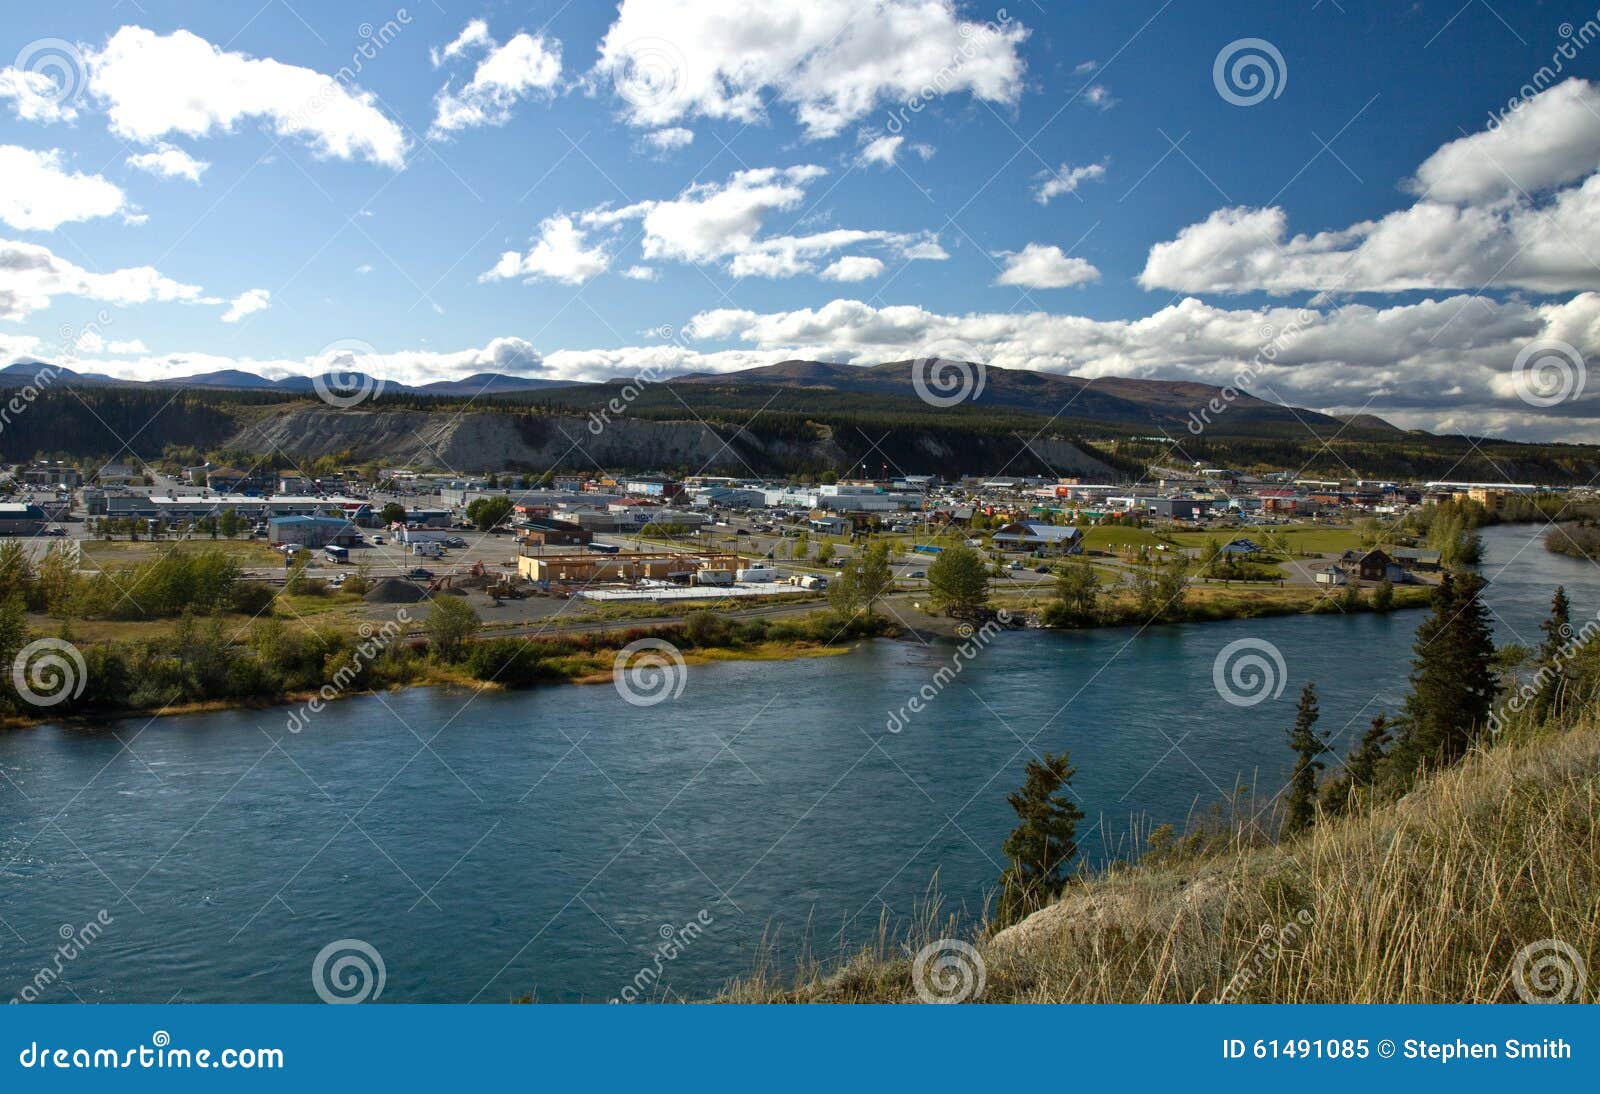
pixel 1300 800
pixel 1043 844
pixel 1360 770
pixel 1553 654
pixel 1452 677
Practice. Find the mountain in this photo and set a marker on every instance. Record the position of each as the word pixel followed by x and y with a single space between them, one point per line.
pixel 1162 403
pixel 26 369
pixel 489 383
pixel 482 383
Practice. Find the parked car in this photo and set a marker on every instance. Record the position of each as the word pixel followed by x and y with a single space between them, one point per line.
pixel 420 573
pixel 1041 569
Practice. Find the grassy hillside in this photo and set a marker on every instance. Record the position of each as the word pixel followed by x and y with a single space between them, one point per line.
pixel 1427 900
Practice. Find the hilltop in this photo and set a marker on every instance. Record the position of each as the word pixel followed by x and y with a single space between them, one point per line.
pixel 1427 900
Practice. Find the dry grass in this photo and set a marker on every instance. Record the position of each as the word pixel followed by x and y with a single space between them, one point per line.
pixel 1428 900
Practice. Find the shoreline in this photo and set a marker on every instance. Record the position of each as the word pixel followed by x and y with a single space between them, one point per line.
pixel 594 666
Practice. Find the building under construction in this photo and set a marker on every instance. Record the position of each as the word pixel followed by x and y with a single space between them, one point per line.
pixel 587 567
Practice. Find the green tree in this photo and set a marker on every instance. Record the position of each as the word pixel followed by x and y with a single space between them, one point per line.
pixel 1360 770
pixel 1383 596
pixel 392 513
pixel 1043 844
pixel 1077 592
pixel 825 553
pixel 1300 798
pixel 228 523
pixel 874 577
pixel 488 513
pixel 959 580
pixel 1452 677
pixel 450 623
pixel 1552 662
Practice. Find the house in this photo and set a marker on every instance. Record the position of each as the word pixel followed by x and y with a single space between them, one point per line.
pixel 827 525
pixel 1032 536
pixel 312 531
pixel 1411 558
pixel 1370 565
pixel 227 480
pixel 1330 575
pixel 556 533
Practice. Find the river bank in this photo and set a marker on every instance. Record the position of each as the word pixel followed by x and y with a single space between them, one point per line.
pixel 258 676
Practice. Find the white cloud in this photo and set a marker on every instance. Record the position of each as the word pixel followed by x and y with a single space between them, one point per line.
pixel 31 275
pixel 364 269
pixel 37 97
pixel 853 268
pixel 1038 266
pixel 1083 68
pixel 670 59
pixel 882 150
pixel 91 341
pixel 1489 234
pixel 1437 364
pixel 475 35
pixel 1552 139
pixel 1100 97
pixel 247 303
pixel 153 85
pixel 38 194
pixel 1066 180
pixel 669 140
pixel 640 273
pixel 560 254
pixel 527 65
pixel 168 162
pixel 723 222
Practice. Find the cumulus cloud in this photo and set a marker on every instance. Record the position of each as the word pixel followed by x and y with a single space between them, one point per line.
pixel 670 139
pixel 853 268
pixel 1038 266
pixel 723 222
pixel 475 35
pixel 527 65
pixel 882 150
pixel 1497 212
pixel 31 275
pixel 1440 364
pixel 560 253
pixel 168 162
pixel 247 303
pixel 1065 180
pixel 670 59
pixel 154 85
pixel 37 97
pixel 39 194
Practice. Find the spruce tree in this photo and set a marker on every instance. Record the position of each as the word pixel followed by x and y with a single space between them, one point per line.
pixel 1043 844
pixel 1552 654
pixel 1360 768
pixel 1300 799
pixel 1452 677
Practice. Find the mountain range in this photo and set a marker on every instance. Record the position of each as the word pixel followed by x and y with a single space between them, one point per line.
pixel 1107 399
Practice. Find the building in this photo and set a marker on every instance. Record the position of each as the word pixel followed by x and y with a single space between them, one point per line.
pixel 1330 575
pixel 227 480
pixel 53 474
pixel 1240 548
pixel 1370 565
pixel 589 567
pixel 1032 536
pixel 1413 559
pixel 21 519
pixel 312 531
pixel 556 533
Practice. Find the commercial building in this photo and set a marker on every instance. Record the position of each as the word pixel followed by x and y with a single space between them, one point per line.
pixel 312 531
pixel 21 519
pixel 1032 536
pixel 583 568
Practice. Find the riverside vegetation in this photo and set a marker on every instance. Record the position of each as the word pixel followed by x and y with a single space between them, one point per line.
pixel 1456 834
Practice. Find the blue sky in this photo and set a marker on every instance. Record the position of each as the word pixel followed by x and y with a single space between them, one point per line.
pixel 584 189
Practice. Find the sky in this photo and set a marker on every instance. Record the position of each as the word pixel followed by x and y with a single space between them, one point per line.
pixel 1352 207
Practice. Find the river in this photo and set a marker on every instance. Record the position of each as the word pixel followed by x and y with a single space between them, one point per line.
pixel 546 841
